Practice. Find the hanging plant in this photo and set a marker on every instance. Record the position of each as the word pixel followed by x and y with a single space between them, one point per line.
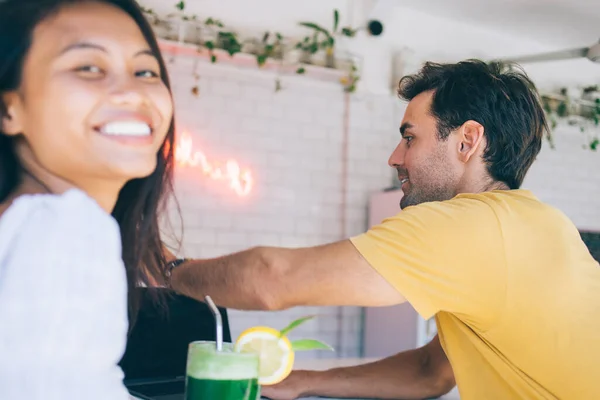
pixel 229 42
pixel 325 39
pixel 220 39
pixel 211 35
pixel 271 46
pixel 349 82
pixel 582 111
pixel 309 46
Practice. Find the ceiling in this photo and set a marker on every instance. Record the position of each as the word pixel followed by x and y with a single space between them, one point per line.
pixel 558 23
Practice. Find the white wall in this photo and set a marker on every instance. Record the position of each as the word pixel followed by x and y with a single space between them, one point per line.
pixel 292 141
pixel 568 177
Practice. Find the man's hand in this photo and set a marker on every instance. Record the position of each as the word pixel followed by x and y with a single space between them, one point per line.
pixel 414 374
pixel 294 386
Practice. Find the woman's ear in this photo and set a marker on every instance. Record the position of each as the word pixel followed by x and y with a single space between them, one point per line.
pixel 11 122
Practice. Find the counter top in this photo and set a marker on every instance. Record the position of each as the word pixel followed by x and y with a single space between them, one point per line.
pixel 320 365
pixel 325 364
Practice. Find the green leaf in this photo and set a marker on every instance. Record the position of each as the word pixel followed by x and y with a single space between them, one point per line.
pixel 300 70
pixel 261 59
pixel 336 19
pixel 213 58
pixel 309 344
pixel 314 26
pixel 180 5
pixel 562 109
pixel 347 31
pixel 593 145
pixel 295 324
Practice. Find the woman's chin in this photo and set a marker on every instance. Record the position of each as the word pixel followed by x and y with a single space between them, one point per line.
pixel 130 171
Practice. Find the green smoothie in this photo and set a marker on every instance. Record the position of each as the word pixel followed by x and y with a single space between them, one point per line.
pixel 224 375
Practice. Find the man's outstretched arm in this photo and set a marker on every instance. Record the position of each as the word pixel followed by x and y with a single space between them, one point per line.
pixel 270 278
pixel 415 374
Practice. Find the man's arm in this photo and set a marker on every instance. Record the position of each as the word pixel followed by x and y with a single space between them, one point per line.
pixel 414 374
pixel 269 278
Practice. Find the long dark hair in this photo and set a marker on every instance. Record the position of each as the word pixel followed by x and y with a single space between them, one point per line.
pixel 141 200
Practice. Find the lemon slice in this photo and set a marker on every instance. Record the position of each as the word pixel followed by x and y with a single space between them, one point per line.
pixel 276 353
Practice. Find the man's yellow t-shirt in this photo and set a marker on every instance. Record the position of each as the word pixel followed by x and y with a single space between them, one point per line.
pixel 514 290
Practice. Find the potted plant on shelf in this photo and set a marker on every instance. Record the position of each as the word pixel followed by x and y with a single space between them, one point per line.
pixel 216 37
pixel 271 46
pixel 325 39
pixel 179 26
pixel 308 47
pixel 150 15
pixel 582 111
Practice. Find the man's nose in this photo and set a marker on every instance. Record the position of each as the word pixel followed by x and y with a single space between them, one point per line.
pixel 397 157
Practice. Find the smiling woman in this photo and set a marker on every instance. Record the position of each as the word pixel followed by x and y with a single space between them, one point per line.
pixel 86 161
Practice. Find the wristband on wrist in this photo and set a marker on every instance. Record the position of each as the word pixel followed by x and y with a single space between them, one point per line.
pixel 170 266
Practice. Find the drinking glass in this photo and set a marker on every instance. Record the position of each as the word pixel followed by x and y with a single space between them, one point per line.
pixel 223 375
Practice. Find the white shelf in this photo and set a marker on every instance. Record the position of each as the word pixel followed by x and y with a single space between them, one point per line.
pixel 248 61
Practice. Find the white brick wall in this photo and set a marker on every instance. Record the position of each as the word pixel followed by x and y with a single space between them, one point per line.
pixel 568 177
pixel 292 141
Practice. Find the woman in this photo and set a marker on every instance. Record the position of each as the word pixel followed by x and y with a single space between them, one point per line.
pixel 86 132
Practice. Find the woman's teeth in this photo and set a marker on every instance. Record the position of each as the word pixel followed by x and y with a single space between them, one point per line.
pixel 126 128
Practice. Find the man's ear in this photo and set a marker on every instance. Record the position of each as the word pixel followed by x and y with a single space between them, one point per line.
pixel 470 139
pixel 11 122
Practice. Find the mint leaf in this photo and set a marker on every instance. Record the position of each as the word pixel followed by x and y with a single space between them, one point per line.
pixel 295 324
pixel 309 344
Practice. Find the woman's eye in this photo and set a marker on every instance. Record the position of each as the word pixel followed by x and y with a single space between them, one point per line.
pixel 146 74
pixel 89 70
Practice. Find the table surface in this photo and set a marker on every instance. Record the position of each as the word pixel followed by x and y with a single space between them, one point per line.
pixel 347 362
pixel 320 365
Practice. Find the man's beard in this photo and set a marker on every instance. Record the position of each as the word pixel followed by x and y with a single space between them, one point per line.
pixel 414 196
pixel 436 183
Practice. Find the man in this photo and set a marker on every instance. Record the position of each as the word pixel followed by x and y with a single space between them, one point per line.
pixel 514 290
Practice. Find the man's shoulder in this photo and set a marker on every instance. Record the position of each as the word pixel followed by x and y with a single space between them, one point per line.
pixel 497 202
pixel 478 203
pixel 498 197
pixel 500 206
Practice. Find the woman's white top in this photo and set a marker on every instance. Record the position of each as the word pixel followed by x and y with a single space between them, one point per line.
pixel 63 300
